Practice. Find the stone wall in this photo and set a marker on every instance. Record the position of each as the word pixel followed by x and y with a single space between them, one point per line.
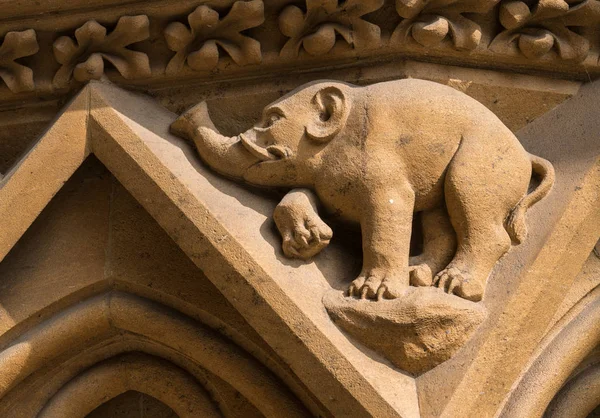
pixel 412 249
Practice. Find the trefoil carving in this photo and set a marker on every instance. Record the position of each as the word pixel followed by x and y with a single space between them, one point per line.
pixel 429 22
pixel 535 29
pixel 17 45
pixel 315 30
pixel 83 58
pixel 198 44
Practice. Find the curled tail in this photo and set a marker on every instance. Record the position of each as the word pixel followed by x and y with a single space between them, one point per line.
pixel 515 224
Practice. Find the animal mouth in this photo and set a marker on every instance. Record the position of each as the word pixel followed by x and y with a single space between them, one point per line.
pixel 270 153
pixel 280 153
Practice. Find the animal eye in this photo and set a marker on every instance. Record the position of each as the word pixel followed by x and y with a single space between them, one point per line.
pixel 272 118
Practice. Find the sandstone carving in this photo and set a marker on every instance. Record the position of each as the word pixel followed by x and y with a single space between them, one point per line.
pixel 429 22
pixel 376 155
pixel 198 44
pixel 136 281
pixel 532 35
pixel 303 232
pixel 316 28
pixel 416 332
pixel 536 30
pixel 17 45
pixel 82 59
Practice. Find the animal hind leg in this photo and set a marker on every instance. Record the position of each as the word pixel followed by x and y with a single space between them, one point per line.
pixel 481 187
pixel 439 246
pixel 480 246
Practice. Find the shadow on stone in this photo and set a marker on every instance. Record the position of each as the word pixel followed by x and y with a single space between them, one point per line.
pixel 416 332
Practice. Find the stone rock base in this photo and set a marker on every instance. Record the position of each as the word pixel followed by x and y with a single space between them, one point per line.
pixel 416 332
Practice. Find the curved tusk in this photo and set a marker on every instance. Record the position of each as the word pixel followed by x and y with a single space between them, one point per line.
pixel 259 152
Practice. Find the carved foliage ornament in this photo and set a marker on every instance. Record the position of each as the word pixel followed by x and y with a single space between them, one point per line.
pixel 316 29
pixel 82 59
pixel 535 28
pixel 198 44
pixel 429 22
pixel 17 45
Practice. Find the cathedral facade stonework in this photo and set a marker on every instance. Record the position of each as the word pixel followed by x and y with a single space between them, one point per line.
pixel 276 208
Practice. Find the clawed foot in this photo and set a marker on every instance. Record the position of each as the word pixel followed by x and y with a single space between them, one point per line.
pixel 454 281
pixel 378 284
pixel 303 236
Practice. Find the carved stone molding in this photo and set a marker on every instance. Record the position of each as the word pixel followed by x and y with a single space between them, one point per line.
pixel 301 344
pixel 82 58
pixel 197 44
pixel 104 120
pixel 17 45
pixel 315 29
pixel 429 22
pixel 115 376
pixel 189 41
pixel 248 208
pixel 538 29
pixel 97 368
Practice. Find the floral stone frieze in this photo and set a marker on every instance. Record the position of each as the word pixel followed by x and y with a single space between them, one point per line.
pixel 190 39
pixel 82 59
pixel 17 45
pixel 316 29
pixel 429 22
pixel 198 45
pixel 536 29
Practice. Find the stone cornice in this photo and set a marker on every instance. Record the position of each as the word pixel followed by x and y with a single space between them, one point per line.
pixel 51 50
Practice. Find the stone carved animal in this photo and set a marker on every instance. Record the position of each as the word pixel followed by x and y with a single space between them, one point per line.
pixel 376 155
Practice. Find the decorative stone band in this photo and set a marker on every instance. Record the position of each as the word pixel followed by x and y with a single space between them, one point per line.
pixel 162 41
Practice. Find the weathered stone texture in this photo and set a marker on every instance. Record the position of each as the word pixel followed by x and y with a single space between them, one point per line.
pixel 423 243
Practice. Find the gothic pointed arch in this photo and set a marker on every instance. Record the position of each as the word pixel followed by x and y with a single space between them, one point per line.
pixel 141 373
pixel 128 323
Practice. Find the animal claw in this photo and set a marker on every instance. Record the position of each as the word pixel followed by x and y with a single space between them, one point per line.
pixel 454 281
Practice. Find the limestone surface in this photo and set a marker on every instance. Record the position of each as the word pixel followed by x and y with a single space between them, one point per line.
pixel 416 332
pixel 375 155
pixel 376 273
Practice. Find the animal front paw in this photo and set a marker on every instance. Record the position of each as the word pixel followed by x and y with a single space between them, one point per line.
pixel 454 281
pixel 304 236
pixel 378 284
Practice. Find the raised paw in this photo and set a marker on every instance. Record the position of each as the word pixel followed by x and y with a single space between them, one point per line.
pixel 377 285
pixel 454 281
pixel 421 275
pixel 303 236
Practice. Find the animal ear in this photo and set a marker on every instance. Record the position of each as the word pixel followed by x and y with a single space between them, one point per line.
pixel 331 109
